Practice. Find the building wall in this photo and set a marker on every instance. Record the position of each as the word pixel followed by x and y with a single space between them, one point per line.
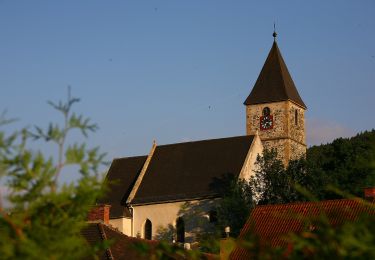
pixel 122 224
pixel 249 167
pixel 287 136
pixel 163 217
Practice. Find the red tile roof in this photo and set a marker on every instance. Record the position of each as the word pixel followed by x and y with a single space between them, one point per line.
pixel 272 223
pixel 121 246
pixel 125 247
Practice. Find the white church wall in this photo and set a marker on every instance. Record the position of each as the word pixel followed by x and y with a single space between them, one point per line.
pixel 122 224
pixel 249 167
pixel 163 218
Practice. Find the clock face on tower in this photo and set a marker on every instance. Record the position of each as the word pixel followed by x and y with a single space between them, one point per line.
pixel 266 122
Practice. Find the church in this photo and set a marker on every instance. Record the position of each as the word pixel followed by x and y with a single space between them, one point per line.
pixel 172 191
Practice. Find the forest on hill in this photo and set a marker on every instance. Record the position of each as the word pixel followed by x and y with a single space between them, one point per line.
pixel 347 164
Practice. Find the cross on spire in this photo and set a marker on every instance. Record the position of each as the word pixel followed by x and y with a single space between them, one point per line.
pixel 274 32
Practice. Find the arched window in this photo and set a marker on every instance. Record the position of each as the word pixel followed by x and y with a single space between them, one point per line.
pixel 213 216
pixel 296 117
pixel 147 230
pixel 266 111
pixel 180 229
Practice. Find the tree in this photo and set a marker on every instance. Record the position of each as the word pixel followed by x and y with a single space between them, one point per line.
pixel 275 184
pixel 45 218
pixel 235 206
pixel 346 163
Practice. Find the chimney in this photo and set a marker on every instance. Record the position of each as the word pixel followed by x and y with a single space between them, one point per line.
pixel 99 213
pixel 370 194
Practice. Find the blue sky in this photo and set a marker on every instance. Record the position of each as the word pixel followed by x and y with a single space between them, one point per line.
pixel 180 70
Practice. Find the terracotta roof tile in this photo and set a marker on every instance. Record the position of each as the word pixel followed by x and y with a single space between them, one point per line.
pixel 271 223
pixel 121 247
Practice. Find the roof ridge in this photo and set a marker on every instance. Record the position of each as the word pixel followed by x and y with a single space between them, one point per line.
pixel 108 251
pixel 207 140
pixel 141 174
pixel 279 61
pixel 304 202
pixel 113 229
pixel 129 157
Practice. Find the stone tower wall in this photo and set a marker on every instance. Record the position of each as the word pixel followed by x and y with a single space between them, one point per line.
pixel 287 135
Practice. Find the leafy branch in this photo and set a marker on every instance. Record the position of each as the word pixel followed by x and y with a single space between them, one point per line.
pixel 57 134
pixel 45 218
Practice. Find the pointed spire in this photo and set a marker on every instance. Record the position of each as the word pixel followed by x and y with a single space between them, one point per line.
pixel 274 82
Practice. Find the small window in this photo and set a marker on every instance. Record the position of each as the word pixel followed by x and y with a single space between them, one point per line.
pixel 147 232
pixel 180 230
pixel 266 111
pixel 213 216
pixel 296 117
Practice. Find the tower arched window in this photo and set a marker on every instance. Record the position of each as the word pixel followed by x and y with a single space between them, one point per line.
pixel 266 111
pixel 180 230
pixel 296 117
pixel 147 230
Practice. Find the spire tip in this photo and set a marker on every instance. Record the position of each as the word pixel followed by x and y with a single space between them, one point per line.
pixel 274 32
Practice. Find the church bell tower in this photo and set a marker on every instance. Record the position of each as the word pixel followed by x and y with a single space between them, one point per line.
pixel 275 109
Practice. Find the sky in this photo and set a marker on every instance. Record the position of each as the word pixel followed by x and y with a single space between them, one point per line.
pixel 178 71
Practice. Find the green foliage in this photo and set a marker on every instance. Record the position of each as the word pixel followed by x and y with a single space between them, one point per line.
pixel 45 218
pixel 234 208
pixel 164 250
pixel 346 163
pixel 275 184
pixel 351 240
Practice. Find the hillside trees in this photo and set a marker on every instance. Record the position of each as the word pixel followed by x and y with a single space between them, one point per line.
pixel 45 218
pixel 346 163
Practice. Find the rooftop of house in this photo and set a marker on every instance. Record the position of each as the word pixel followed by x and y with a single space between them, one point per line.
pixel 272 223
pixel 121 246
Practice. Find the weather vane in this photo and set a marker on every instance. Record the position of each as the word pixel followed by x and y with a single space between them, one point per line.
pixel 274 32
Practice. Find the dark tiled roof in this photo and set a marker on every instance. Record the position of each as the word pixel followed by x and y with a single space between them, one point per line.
pixel 121 247
pixel 191 170
pixel 121 177
pixel 271 223
pixel 274 82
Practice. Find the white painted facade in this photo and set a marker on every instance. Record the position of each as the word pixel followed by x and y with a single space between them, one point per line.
pixel 122 224
pixel 195 213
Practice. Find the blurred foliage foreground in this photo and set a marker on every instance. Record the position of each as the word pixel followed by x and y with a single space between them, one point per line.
pixel 44 217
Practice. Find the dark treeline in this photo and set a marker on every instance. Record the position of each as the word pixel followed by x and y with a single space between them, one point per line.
pixel 346 163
